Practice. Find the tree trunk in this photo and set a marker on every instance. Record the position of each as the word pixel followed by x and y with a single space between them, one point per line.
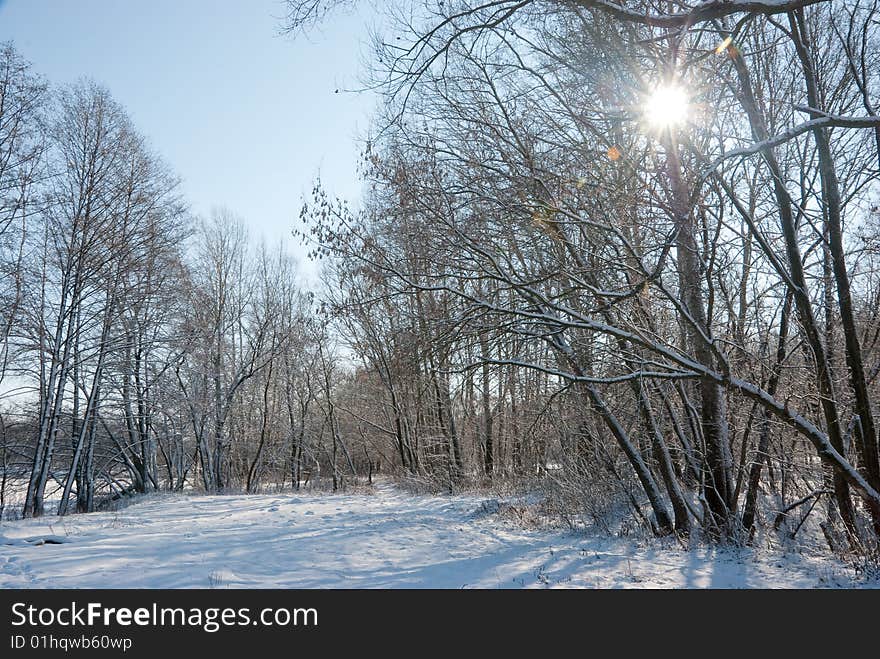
pixel 718 479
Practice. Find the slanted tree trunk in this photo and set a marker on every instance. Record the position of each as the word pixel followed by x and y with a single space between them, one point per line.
pixel 800 291
pixel 718 479
pixel 751 501
pixel 866 430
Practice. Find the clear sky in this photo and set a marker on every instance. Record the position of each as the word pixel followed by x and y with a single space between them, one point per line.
pixel 247 118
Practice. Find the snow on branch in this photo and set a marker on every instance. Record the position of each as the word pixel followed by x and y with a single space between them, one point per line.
pixel 825 121
pixel 701 12
pixel 574 377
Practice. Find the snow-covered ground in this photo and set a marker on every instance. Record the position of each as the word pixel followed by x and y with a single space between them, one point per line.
pixel 387 539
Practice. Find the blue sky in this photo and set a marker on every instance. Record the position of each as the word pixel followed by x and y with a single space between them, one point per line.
pixel 246 117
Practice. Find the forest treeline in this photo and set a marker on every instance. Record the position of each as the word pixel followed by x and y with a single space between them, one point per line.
pixel 679 323
pixel 143 349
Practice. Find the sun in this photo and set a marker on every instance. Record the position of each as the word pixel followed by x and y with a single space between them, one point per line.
pixel 667 106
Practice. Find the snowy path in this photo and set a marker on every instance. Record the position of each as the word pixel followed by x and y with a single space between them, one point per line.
pixel 385 540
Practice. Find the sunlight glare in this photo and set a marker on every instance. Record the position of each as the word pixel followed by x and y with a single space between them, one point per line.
pixel 667 106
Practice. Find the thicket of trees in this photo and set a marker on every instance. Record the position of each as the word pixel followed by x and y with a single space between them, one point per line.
pixel 684 317
pixel 681 319
pixel 142 349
